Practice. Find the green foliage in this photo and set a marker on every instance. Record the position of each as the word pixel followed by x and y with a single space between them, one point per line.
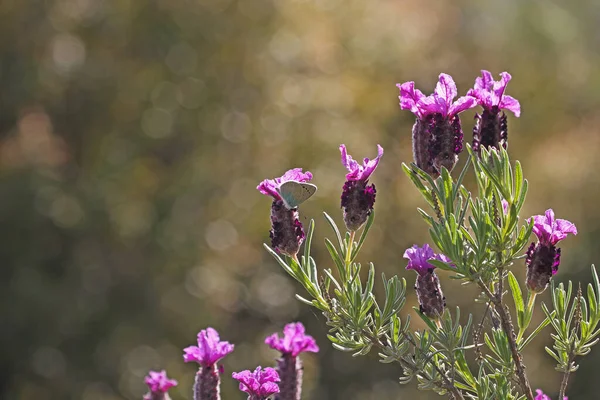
pixel 575 323
pixel 482 235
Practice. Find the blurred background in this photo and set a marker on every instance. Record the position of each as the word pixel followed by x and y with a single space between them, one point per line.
pixel 133 135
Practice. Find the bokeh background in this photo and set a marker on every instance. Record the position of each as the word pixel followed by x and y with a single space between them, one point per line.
pixel 133 135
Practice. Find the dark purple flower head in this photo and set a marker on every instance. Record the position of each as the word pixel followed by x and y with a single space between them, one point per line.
pixel 541 396
pixel 359 172
pixel 270 186
pixel 549 230
pixel 358 197
pixel 294 340
pixel 543 258
pixel 491 126
pixel 490 93
pixel 418 258
pixel 287 233
pixel 429 291
pixel 209 350
pixel 258 384
pixel 158 382
pixel 437 132
pixel 440 102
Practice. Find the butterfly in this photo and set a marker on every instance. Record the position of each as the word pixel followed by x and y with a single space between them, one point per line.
pixel 295 193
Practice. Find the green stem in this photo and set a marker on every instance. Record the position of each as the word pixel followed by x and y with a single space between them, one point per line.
pixel 295 258
pixel 349 249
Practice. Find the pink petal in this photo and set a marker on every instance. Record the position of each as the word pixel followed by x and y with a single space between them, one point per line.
pixel 351 165
pixel 268 187
pixel 462 104
pixel 431 105
pixel 566 226
pixel 549 214
pixel 409 97
pixel 511 104
pixel 369 166
pixel 485 82
pixel 500 86
pixel 446 89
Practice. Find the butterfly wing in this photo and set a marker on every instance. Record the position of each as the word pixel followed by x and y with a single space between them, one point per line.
pixel 295 193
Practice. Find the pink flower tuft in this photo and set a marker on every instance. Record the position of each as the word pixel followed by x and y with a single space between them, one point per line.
pixel 209 350
pixel 294 340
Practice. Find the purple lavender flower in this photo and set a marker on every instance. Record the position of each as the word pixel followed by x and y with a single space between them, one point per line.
pixel 289 366
pixel 541 396
pixel 429 292
pixel 287 233
pixel 159 384
pixel 437 133
pixel 543 258
pixel 491 127
pixel 209 351
pixel 358 197
pixel 259 384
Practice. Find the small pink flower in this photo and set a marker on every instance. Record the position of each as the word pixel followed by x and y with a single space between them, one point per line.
pixel 437 133
pixel 358 197
pixel 427 287
pixel 490 93
pixel 359 172
pixel 418 258
pixel 209 350
pixel 158 382
pixel 294 340
pixel 543 257
pixel 259 384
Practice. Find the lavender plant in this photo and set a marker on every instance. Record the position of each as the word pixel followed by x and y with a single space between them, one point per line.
pixel 479 235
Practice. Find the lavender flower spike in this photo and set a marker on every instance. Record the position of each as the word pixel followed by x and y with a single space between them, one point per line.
pixel 429 292
pixel 491 127
pixel 437 133
pixel 259 384
pixel 358 197
pixel 209 351
pixel 159 384
pixel 543 258
pixel 287 233
pixel 541 396
pixel 289 366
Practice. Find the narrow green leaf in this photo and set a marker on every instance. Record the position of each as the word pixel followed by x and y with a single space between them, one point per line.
pixel 516 292
pixel 339 263
pixel 308 241
pixel 363 236
pixel 412 175
pixel 281 262
pixel 535 332
pixel 335 229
